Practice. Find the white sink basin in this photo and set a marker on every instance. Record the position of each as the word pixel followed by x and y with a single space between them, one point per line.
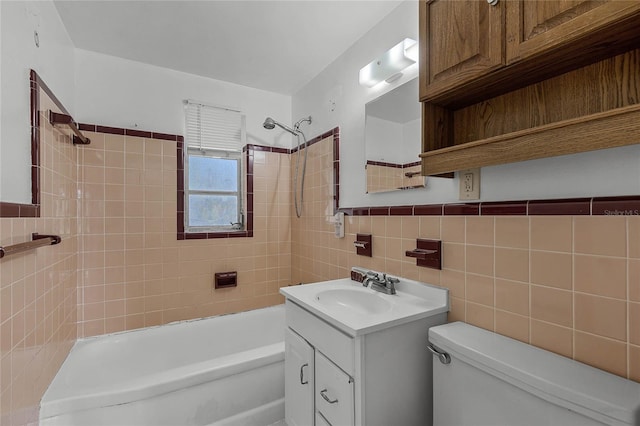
pixel 358 310
pixel 353 301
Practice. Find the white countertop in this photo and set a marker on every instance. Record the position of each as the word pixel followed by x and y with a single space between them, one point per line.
pixel 414 300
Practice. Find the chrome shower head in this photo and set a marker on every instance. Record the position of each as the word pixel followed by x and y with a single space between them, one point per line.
pixel 269 123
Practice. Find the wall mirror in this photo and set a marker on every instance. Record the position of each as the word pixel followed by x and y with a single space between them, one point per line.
pixel 392 140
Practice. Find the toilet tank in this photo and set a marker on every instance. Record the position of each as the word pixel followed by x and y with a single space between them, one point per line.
pixel 494 380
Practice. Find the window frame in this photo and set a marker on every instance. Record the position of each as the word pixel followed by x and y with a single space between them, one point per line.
pixel 239 224
pixel 211 132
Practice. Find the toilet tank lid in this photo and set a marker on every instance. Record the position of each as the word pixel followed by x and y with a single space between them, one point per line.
pixel 565 382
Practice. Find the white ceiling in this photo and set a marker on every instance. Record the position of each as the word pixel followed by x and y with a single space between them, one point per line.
pixel 277 46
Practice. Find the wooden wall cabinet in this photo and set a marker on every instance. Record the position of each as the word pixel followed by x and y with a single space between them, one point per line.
pixel 473 53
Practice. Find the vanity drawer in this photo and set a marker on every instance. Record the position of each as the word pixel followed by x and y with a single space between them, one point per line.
pixel 334 392
pixel 324 337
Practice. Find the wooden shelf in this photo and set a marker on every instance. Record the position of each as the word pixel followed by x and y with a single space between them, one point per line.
pixel 609 129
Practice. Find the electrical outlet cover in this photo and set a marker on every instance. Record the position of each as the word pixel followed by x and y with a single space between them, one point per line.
pixel 469 184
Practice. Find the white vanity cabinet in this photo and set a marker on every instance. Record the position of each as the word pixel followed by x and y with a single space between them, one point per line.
pixel 299 379
pixel 342 373
pixel 334 392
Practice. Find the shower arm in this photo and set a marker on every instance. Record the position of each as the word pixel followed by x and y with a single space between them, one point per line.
pixel 296 127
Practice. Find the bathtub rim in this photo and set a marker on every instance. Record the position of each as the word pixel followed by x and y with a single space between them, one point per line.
pixel 165 381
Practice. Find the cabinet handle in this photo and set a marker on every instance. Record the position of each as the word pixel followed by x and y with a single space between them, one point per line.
pixel 302 381
pixel 493 2
pixel 323 394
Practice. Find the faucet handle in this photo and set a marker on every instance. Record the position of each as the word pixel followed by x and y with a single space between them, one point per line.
pixel 392 280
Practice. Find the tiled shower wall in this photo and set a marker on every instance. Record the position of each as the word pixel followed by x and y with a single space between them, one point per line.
pixel 133 270
pixel 38 288
pixel 569 284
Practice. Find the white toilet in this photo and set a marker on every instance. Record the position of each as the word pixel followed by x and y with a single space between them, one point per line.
pixel 494 380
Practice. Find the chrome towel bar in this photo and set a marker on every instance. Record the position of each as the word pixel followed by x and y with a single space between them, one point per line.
pixel 37 240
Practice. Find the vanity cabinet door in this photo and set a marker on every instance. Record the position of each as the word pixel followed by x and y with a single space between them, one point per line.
pixel 461 40
pixel 334 393
pixel 299 380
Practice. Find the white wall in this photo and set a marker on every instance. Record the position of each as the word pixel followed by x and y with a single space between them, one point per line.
pixel 381 135
pixel 412 140
pixel 117 92
pixel 53 61
pixel 599 173
pixel 392 142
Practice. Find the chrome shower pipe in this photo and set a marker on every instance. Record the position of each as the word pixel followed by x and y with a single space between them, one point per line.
pixel 296 127
pixel 270 123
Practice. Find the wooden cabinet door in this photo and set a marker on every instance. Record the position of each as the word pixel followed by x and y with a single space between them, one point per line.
pixel 299 380
pixel 460 41
pixel 536 27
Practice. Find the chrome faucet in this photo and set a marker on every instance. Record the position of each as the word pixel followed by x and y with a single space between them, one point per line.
pixel 385 284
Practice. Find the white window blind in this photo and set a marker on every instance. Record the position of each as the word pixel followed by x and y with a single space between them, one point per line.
pixel 214 128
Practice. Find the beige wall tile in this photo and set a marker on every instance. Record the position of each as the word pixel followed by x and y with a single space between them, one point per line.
pixel 634 236
pixel 453 256
pixel 456 309
pixel 480 289
pixel 601 316
pixel 553 233
pixel 480 315
pixel 512 325
pixel 453 229
pixel 604 276
pixel 480 230
pixel 512 232
pixel 552 338
pixel 552 305
pixel 634 323
pixel 410 227
pixel 454 281
pixel 606 354
pixel 479 259
pixel 512 264
pixel 600 235
pixel 394 227
pixel 552 269
pixel 634 280
pixel 430 227
pixel 634 363
pixel 512 296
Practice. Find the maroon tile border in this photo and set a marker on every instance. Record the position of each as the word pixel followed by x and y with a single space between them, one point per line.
pixel 468 209
pixel 616 206
pixel 32 210
pixel 599 206
pixel 392 165
pixel 401 210
pixel 129 132
pixel 507 208
pixel 383 164
pixel 428 210
pixel 335 132
pixel 379 211
pixel 575 206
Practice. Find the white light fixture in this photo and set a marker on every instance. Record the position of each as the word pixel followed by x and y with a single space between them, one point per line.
pixel 389 66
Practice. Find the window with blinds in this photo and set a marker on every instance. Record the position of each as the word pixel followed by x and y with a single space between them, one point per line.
pixel 214 139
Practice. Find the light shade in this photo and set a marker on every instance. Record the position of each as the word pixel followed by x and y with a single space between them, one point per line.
pixel 390 63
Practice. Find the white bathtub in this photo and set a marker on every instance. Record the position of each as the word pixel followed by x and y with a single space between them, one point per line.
pixel 226 370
